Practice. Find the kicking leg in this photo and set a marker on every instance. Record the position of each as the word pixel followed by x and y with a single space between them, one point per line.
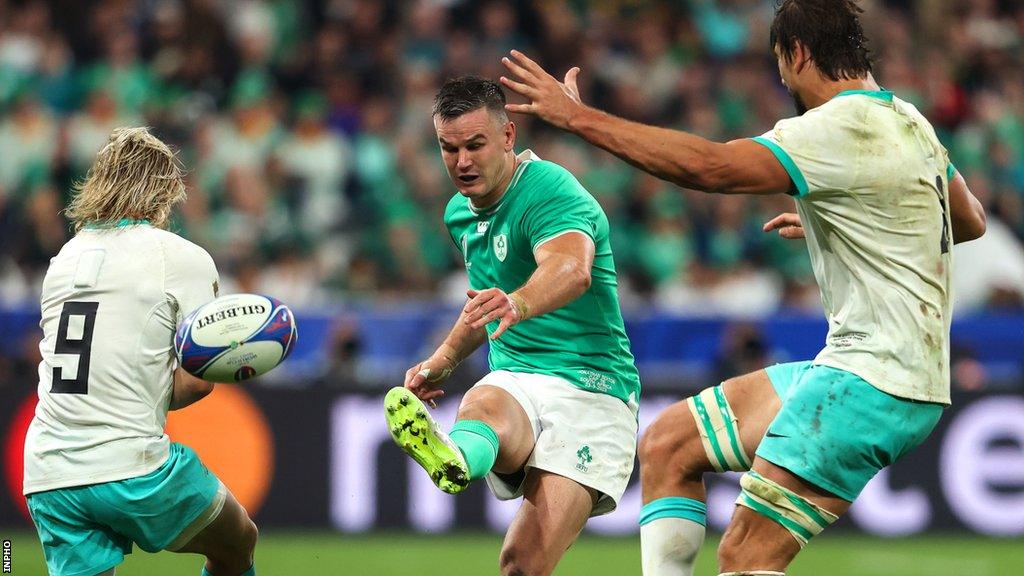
pixel 554 511
pixel 228 542
pixel 501 413
pixel 492 431
pixel 777 513
pixel 717 430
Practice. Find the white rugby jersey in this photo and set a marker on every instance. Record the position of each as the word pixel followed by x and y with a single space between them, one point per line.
pixel 111 301
pixel 871 181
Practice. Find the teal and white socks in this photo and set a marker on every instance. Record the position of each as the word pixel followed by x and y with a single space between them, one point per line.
pixel 671 533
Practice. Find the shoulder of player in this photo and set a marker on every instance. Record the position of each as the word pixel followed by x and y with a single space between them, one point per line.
pixel 179 249
pixel 544 179
pixel 457 204
pixel 909 109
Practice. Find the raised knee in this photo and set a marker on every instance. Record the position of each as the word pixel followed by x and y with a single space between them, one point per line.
pixel 515 561
pixel 667 446
pixel 658 442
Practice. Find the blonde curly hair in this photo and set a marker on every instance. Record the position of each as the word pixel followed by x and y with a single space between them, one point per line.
pixel 135 176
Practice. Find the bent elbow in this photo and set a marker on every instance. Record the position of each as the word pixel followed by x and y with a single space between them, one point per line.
pixel 980 224
pixel 583 280
pixel 970 227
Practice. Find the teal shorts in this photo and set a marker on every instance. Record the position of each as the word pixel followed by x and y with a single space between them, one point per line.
pixel 86 530
pixel 836 431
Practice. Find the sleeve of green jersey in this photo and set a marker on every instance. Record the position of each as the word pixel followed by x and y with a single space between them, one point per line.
pixel 449 212
pixel 559 204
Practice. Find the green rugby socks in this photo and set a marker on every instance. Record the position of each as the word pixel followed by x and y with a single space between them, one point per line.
pixel 479 445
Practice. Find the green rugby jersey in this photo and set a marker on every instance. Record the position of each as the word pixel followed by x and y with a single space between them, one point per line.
pixel 584 342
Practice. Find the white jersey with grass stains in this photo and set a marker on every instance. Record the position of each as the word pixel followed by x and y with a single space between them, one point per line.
pixel 111 301
pixel 871 182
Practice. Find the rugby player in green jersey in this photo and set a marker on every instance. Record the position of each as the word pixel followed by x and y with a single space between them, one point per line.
pixel 880 205
pixel 555 419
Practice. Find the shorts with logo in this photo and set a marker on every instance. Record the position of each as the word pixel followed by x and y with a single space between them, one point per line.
pixel 584 436
pixel 86 530
pixel 836 431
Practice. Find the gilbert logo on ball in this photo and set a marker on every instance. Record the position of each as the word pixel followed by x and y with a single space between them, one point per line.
pixel 235 337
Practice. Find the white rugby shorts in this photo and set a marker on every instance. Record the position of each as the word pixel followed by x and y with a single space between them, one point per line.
pixel 584 436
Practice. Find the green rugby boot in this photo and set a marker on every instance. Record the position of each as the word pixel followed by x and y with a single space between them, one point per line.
pixel 417 434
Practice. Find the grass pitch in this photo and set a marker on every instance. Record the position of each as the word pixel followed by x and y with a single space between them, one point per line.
pixel 328 554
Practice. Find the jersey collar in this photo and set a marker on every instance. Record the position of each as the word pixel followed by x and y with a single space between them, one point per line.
pixel 122 223
pixel 523 158
pixel 882 94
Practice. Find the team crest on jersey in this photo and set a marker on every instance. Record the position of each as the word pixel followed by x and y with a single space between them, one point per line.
pixel 501 247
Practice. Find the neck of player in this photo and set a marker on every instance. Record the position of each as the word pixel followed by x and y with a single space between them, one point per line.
pixel 827 89
pixel 498 192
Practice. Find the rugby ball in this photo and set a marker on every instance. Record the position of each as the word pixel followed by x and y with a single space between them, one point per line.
pixel 235 337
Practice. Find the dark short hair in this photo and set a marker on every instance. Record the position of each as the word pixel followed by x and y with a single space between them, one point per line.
pixel 465 94
pixel 829 29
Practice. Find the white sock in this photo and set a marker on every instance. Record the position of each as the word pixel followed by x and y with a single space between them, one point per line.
pixel 669 546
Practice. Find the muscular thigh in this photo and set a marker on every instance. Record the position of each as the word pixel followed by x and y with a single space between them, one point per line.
pixel 755 403
pixel 504 414
pixel 223 533
pixel 752 401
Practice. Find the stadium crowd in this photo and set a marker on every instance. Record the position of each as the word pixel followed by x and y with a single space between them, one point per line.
pixel 313 170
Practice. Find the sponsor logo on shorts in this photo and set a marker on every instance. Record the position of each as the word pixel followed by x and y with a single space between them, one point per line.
pixel 585 458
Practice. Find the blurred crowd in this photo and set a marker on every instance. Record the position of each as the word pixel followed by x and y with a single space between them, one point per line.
pixel 314 173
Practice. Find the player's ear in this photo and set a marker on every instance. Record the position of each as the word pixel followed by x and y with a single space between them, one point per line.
pixel 801 56
pixel 510 136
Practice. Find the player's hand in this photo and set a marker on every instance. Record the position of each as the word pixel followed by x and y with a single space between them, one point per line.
pixel 788 224
pixel 424 379
pixel 489 305
pixel 553 101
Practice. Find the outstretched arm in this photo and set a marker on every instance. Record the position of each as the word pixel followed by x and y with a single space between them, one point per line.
pixel 738 167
